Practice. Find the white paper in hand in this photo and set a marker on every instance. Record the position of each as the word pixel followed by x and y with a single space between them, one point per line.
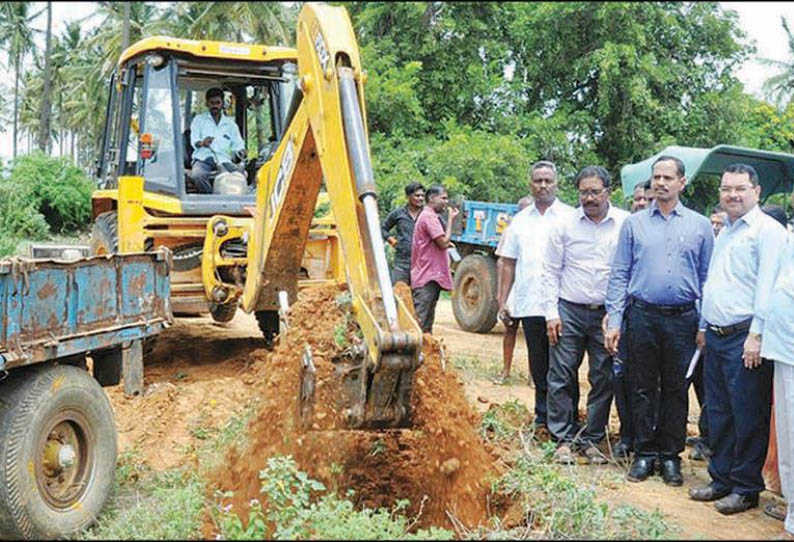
pixel 693 363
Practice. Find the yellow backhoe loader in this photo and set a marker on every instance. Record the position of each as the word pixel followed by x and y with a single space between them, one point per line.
pixel 302 115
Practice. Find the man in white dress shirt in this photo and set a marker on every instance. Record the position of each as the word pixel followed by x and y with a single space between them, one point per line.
pixel 576 269
pixel 523 251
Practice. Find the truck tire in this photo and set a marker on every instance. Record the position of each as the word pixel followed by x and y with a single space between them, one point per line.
pixel 474 302
pixel 223 312
pixel 105 234
pixel 268 324
pixel 58 452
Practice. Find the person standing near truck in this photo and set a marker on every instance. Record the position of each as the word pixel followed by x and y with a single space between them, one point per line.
pixel 403 219
pixel 430 271
pixel 523 253
pixel 511 327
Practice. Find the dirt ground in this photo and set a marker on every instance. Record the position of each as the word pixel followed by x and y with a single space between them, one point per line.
pixel 201 373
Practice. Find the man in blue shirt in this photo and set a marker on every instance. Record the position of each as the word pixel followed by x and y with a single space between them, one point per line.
pixel 742 272
pixel 778 346
pixel 216 140
pixel 659 268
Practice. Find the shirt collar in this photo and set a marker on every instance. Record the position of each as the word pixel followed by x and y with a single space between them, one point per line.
pixel 553 208
pixel 748 218
pixel 677 210
pixel 609 216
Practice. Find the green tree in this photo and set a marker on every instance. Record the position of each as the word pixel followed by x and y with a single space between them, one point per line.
pixel 16 34
pixel 780 87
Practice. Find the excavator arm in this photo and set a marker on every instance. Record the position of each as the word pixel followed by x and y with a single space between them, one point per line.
pixel 326 140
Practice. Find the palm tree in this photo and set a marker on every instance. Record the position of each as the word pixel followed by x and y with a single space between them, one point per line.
pixel 46 109
pixel 16 33
pixel 779 88
pixel 268 23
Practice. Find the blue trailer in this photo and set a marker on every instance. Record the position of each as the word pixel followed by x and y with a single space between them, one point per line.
pixel 476 234
pixel 58 434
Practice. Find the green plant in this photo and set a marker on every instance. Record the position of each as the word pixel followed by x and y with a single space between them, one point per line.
pixel 294 514
pixel 340 335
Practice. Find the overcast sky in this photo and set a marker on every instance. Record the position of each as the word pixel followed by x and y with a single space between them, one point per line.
pixel 760 20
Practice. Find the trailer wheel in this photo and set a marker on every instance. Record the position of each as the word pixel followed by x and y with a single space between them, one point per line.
pixel 58 452
pixel 474 302
pixel 268 324
pixel 223 312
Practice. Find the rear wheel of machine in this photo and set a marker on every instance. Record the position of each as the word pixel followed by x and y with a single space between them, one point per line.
pixel 58 452
pixel 268 324
pixel 474 302
pixel 105 234
pixel 223 312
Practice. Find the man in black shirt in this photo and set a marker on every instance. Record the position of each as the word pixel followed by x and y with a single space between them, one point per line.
pixel 404 219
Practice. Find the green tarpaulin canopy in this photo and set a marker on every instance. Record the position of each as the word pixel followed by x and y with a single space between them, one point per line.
pixel 775 169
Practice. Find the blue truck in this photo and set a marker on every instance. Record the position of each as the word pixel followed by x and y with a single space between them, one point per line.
pixel 66 330
pixel 476 234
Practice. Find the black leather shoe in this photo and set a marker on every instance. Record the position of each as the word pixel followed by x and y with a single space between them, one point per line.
pixel 707 493
pixel 670 470
pixel 641 468
pixel 622 450
pixel 734 503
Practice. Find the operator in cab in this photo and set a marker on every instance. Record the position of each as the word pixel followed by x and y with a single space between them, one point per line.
pixel 216 141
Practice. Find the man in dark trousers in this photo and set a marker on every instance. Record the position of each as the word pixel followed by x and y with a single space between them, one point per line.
pixel 657 275
pixel 742 273
pixel 429 259
pixel 403 219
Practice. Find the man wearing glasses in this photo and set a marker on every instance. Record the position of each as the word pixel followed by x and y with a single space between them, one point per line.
pixel 742 273
pixel 576 268
pixel 657 276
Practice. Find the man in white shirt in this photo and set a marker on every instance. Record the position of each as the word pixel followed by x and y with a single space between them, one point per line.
pixel 523 251
pixel 216 140
pixel 576 269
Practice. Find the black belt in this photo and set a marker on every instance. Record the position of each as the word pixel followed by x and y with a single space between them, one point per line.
pixel 667 310
pixel 588 306
pixel 724 331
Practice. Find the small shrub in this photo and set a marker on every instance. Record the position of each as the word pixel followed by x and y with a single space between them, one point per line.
pixel 293 514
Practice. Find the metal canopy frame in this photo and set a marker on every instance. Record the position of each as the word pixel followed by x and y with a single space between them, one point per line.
pixel 775 169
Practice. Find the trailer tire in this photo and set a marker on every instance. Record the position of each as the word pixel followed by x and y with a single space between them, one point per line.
pixel 474 302
pixel 58 452
pixel 223 312
pixel 268 324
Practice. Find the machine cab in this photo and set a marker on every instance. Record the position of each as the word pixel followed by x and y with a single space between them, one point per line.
pixel 156 92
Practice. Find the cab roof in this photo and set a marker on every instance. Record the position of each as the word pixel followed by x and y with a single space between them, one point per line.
pixel 208 49
pixel 775 169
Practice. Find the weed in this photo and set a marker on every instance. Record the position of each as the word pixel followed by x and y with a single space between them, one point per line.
pixel 378 447
pixel 340 335
pixel 295 515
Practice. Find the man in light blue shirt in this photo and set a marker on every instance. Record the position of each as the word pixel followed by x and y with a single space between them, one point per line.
pixel 660 265
pixel 216 141
pixel 742 272
pixel 778 346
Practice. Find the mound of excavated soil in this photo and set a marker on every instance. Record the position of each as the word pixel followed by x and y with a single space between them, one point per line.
pixel 440 461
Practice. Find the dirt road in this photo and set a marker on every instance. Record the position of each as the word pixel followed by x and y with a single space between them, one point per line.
pixel 200 374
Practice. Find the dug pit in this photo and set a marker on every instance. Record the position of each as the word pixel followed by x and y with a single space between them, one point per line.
pixel 439 464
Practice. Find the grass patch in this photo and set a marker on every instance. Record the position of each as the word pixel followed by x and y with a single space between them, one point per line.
pixel 168 505
pixel 557 502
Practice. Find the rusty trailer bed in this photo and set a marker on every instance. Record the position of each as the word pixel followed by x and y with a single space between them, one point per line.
pixel 52 309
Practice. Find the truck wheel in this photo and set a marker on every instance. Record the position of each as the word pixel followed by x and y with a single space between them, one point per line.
pixel 268 324
pixel 223 312
pixel 58 452
pixel 105 234
pixel 474 302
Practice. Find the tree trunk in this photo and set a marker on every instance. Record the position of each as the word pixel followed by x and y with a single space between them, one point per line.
pixel 44 124
pixel 74 160
pixel 16 101
pixel 125 29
